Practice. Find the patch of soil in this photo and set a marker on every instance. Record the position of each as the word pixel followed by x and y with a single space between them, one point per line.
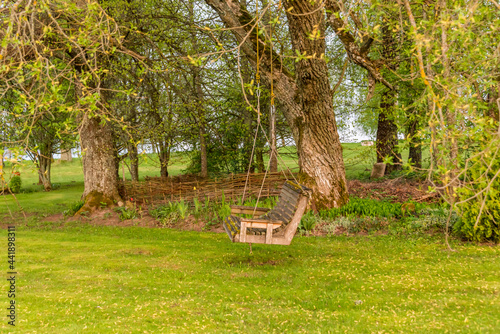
pixel 396 190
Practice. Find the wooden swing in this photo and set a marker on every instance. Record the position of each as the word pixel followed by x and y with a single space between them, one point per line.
pixel 275 226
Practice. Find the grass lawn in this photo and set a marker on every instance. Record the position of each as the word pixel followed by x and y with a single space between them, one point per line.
pixel 89 279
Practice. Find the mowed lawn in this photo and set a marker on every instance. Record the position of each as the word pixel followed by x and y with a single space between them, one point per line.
pixel 81 278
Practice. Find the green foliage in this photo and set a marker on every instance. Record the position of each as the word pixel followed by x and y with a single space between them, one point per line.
pixel 353 224
pixel 364 207
pixel 15 183
pixel 481 214
pixel 308 222
pixel 331 226
pixel 127 213
pixel 182 208
pixel 166 215
pixel 73 208
pixel 197 210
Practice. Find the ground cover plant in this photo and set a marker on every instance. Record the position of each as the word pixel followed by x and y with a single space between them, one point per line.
pixel 82 278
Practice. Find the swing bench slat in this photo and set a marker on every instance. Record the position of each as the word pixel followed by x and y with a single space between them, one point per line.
pixel 248 210
pixel 276 226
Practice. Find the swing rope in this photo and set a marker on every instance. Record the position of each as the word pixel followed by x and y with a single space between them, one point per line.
pixel 257 92
pixel 272 111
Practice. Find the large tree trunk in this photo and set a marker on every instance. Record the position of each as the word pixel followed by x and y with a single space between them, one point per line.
pixel 315 130
pixel 306 100
pixel 99 164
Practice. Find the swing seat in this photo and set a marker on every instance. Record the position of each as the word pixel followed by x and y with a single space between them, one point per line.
pixel 276 226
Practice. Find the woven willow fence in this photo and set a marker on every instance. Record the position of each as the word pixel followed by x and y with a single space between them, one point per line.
pixel 187 187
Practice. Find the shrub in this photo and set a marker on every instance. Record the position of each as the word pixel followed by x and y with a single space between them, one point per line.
pixel 480 174
pixel 15 183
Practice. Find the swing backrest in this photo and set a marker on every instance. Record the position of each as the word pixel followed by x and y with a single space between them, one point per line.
pixel 287 203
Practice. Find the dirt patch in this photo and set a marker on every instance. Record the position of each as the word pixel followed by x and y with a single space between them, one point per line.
pixel 396 190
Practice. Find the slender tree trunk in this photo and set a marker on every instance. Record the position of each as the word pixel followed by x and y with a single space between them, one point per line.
pixel 44 166
pixel 203 152
pixel 387 132
pixel 134 161
pixel 248 141
pixel 164 157
pixel 273 163
pixel 259 159
pixel 415 154
pixel 494 102
pixel 198 92
pixel 200 111
pixel 249 134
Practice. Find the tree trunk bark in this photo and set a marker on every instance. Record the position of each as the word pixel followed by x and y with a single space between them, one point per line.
pixel 306 100
pixel 134 161
pixel 315 130
pixel 387 130
pixel 415 154
pixel 259 159
pixel 494 102
pixel 66 155
pixel 99 164
pixel 164 156
pixel 44 166
pixel 387 133
pixel 203 152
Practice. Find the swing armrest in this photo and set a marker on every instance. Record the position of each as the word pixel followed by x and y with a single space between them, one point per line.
pixel 261 223
pixel 248 210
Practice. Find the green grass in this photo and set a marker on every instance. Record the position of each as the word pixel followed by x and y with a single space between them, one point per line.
pixel 87 279
pixel 67 180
